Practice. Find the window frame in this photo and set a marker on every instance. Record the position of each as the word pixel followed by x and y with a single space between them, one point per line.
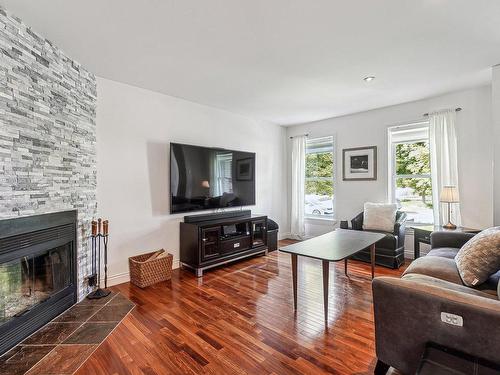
pixel 223 180
pixel 392 176
pixel 323 218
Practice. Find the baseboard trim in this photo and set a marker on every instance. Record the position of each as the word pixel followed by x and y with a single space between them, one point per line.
pixel 176 264
pixel 124 277
pixel 290 236
pixel 284 235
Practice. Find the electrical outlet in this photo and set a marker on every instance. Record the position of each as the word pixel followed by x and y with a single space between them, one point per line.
pixel 454 320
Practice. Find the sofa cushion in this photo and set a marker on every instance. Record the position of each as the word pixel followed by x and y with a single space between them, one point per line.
pixel 479 257
pixel 444 252
pixel 434 266
pixel 379 216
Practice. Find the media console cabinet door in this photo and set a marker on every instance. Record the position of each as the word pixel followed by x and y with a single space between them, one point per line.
pixel 259 232
pixel 210 243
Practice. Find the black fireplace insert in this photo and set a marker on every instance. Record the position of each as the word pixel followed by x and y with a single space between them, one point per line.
pixel 38 277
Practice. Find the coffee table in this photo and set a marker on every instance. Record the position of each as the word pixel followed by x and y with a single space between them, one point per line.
pixel 331 247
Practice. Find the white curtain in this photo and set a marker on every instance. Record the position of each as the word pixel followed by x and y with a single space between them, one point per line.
pixel 444 163
pixel 298 186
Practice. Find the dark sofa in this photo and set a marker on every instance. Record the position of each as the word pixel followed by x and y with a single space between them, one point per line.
pixel 408 309
pixel 389 251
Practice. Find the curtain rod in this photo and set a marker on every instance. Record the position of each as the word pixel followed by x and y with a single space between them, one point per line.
pixel 456 110
pixel 300 135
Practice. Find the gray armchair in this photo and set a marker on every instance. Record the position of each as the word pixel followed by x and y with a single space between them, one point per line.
pixel 408 310
pixel 389 251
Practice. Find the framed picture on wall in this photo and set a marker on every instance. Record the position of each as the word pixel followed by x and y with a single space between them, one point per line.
pixel 244 169
pixel 359 164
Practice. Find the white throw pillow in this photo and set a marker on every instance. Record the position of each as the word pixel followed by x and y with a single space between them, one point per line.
pixel 379 216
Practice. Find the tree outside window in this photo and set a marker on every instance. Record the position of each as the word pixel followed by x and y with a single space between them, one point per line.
pixel 319 187
pixel 413 187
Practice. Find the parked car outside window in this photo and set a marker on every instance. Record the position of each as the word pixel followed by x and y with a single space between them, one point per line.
pixel 318 205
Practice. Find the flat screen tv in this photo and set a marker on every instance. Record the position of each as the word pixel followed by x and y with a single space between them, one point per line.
pixel 203 178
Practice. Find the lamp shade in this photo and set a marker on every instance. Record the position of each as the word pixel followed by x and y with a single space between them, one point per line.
pixel 449 194
pixel 205 184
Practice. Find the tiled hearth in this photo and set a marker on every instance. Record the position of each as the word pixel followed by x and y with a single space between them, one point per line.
pixel 63 345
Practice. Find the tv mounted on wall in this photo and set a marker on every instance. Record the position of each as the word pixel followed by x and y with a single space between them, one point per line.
pixel 203 178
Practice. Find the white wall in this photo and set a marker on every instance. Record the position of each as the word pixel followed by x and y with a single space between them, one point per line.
pixel 475 147
pixel 134 128
pixel 496 136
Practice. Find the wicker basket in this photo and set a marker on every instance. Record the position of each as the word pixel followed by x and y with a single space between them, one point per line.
pixel 145 271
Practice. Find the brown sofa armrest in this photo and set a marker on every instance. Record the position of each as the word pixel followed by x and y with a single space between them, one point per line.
pixel 408 315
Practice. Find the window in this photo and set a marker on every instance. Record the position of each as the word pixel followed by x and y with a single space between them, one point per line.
pixel 319 178
pixel 410 178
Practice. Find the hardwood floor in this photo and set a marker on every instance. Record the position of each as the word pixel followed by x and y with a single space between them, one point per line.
pixel 239 319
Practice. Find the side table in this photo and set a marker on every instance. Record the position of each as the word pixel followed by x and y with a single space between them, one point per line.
pixel 422 234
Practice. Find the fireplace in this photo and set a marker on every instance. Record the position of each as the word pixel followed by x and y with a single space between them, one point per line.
pixel 37 273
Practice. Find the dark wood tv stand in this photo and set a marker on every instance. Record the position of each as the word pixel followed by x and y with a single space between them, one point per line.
pixel 210 242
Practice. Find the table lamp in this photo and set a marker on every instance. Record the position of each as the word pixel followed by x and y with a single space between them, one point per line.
pixel 206 185
pixel 449 195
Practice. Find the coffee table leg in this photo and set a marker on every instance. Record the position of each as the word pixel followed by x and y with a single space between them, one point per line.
pixel 372 255
pixel 345 266
pixel 294 277
pixel 326 274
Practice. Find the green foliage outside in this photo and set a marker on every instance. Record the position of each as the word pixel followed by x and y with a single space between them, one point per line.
pixel 319 165
pixel 411 159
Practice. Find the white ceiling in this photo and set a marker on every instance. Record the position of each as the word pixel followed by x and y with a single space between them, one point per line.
pixel 285 61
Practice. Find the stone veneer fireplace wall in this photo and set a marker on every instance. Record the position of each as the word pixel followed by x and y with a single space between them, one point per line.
pixel 47 132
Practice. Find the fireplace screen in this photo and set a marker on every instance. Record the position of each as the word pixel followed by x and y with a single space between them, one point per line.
pixel 28 281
